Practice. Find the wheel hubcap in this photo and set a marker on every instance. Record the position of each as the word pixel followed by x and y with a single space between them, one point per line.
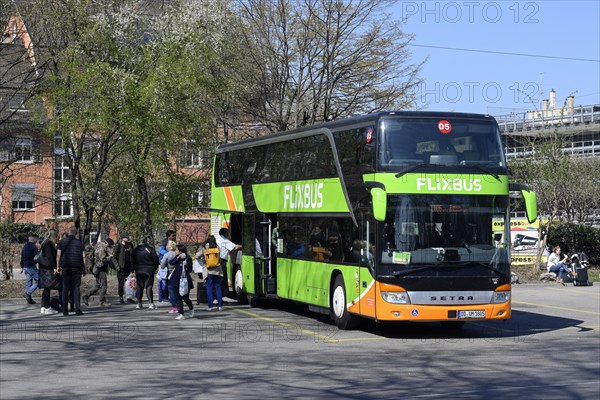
pixel 238 281
pixel 339 302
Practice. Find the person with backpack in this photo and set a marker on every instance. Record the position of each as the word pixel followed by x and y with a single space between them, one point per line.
pixel 213 273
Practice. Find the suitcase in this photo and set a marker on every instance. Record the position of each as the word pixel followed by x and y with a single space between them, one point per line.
pixel 201 293
pixel 582 278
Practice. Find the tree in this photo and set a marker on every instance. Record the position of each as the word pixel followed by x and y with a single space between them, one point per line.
pixel 319 60
pixel 127 90
pixel 567 188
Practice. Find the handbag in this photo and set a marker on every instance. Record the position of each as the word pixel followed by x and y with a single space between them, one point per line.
pixel 183 282
pixel 49 280
pixel 40 258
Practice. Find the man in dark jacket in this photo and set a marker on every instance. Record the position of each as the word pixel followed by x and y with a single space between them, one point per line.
pixel 28 267
pixel 103 255
pixel 145 262
pixel 69 262
pixel 123 258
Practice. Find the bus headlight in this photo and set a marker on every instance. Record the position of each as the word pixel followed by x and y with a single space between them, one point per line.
pixel 501 297
pixel 396 297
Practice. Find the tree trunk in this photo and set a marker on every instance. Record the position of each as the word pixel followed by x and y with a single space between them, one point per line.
pixel 140 183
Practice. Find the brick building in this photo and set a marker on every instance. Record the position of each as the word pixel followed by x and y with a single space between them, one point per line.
pixel 35 182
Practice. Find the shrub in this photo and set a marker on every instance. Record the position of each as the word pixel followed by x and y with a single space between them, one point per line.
pixel 574 238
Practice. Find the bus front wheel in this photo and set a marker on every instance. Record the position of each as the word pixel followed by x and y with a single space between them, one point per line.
pixel 339 313
pixel 238 286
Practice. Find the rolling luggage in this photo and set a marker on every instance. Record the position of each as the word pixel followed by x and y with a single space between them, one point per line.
pixel 582 278
pixel 201 293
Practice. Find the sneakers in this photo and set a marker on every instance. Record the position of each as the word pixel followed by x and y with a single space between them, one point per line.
pixel 220 308
pixel 152 306
pixel 173 311
pixel 50 311
pixel 209 309
pixel 86 300
pixel 180 317
pixel 121 300
pixel 78 312
pixel 191 314
pixel 43 310
pixel 138 306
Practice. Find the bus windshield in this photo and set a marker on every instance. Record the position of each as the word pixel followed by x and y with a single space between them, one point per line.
pixel 453 141
pixel 443 230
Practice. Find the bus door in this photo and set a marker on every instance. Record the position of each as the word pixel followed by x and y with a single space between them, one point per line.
pixel 265 266
pixel 367 262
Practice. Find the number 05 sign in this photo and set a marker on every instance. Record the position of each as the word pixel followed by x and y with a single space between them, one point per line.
pixel 444 126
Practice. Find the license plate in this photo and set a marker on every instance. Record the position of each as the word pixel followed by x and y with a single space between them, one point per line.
pixel 471 314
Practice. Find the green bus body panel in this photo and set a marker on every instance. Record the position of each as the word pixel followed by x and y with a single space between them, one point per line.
pixel 309 196
pixel 248 274
pixel 308 281
pixel 227 198
pixel 440 183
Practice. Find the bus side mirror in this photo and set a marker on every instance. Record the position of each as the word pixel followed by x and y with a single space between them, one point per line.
pixel 530 199
pixel 379 197
pixel 530 205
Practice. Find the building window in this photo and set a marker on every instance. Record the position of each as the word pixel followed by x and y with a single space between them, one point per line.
pixel 200 198
pixel 24 150
pixel 23 197
pixel 192 157
pixel 63 205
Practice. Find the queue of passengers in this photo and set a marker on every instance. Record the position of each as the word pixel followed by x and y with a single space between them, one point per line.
pixel 62 265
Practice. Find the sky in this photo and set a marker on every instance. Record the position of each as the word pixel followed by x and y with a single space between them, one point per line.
pixel 484 82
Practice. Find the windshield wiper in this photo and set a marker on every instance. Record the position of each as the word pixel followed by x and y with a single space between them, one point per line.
pixel 411 169
pixel 486 170
pixel 486 265
pixel 450 264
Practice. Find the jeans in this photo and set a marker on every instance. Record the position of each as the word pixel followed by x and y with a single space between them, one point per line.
pixel 561 268
pixel 71 285
pixel 214 280
pixel 163 292
pixel 172 296
pixel 32 279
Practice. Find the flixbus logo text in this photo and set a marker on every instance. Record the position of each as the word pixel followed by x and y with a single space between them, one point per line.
pixel 449 184
pixel 303 196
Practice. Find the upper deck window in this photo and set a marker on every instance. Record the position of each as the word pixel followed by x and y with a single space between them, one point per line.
pixel 407 141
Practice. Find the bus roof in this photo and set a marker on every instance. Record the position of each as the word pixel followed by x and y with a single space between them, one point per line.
pixel 281 136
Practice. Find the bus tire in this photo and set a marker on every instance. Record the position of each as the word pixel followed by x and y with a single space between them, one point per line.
pixel 238 286
pixel 452 324
pixel 252 301
pixel 338 310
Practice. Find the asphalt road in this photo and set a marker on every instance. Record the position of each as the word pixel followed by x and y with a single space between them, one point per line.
pixel 550 349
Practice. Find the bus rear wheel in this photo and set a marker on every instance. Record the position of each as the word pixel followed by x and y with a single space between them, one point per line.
pixel 339 312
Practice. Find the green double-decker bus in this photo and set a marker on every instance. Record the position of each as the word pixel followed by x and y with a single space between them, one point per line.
pixel 389 216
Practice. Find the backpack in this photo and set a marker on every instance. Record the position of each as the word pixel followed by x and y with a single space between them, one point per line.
pixel 212 258
pixel 212 254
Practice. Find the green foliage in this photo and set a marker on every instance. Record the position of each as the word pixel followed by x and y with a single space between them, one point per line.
pixel 18 232
pixel 574 238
